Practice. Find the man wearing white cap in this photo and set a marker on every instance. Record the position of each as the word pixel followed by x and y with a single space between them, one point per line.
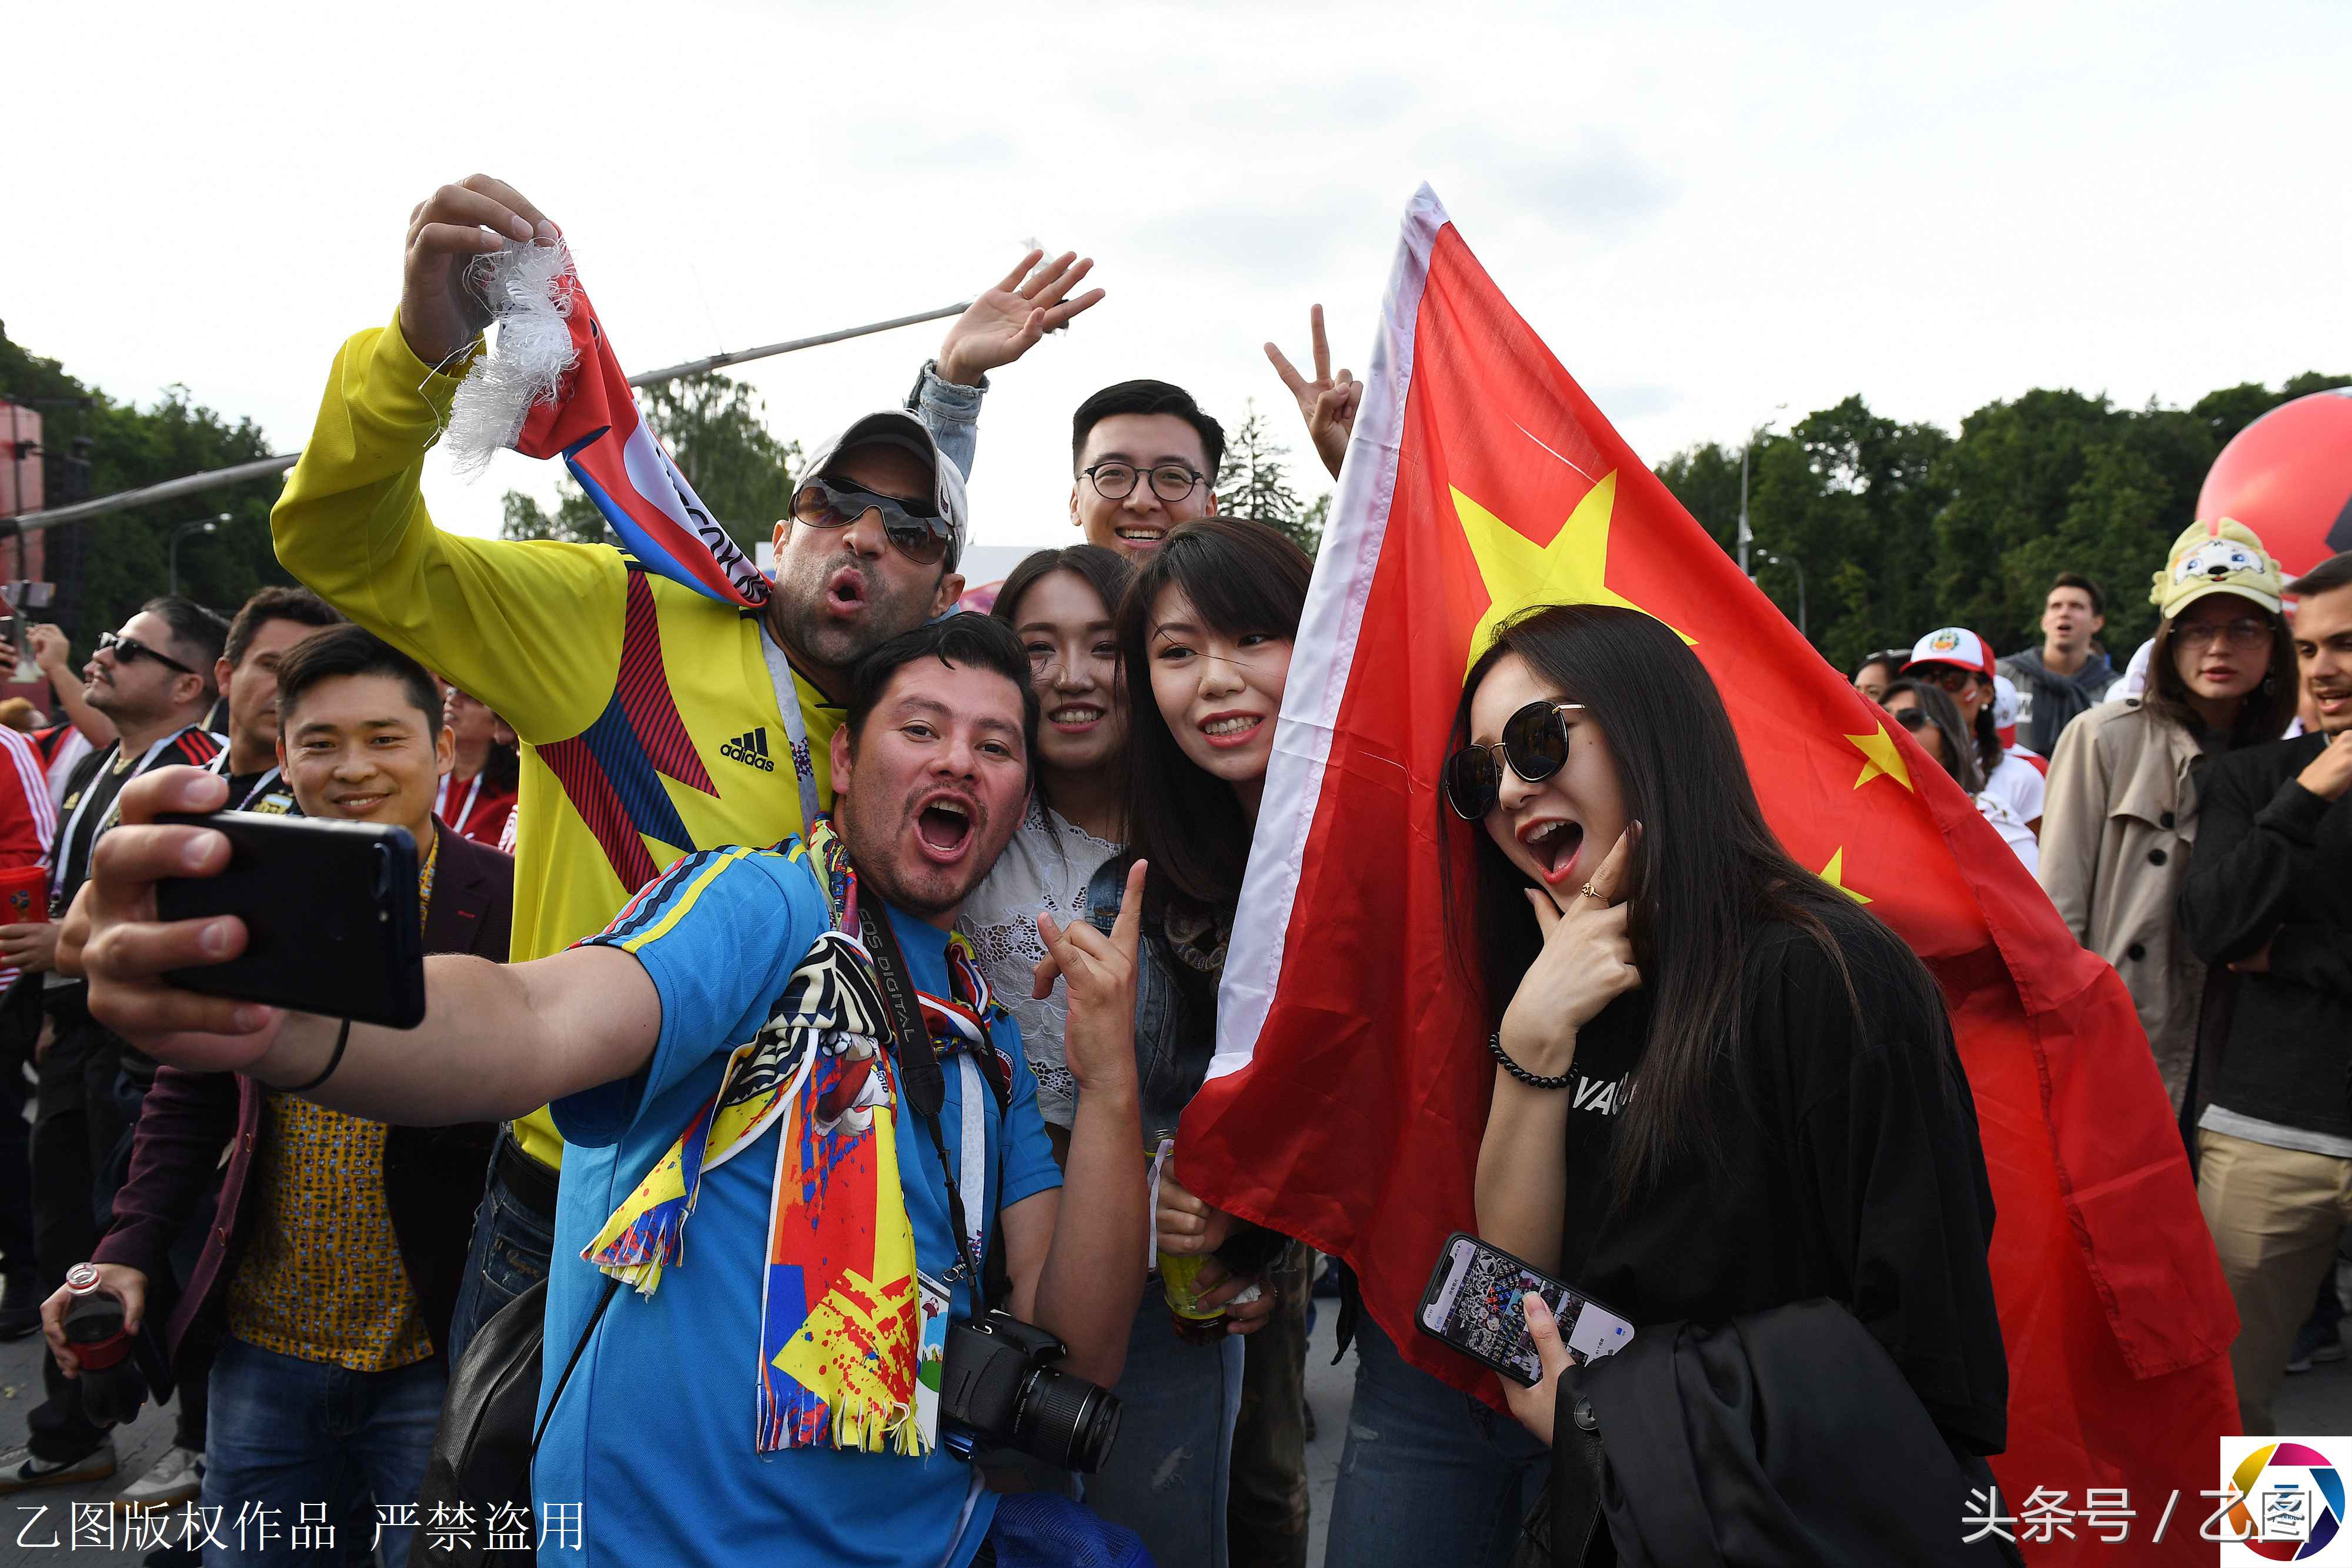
pixel 1958 660
pixel 655 721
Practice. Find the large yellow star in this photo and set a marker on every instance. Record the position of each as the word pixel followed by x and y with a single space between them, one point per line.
pixel 1834 875
pixel 1519 572
pixel 1882 757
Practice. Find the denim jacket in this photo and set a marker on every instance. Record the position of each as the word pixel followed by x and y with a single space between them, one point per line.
pixel 950 413
pixel 1173 1045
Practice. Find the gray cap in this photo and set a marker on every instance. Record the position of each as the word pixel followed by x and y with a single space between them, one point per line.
pixel 896 427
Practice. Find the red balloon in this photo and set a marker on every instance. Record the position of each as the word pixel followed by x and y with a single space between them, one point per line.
pixel 2288 476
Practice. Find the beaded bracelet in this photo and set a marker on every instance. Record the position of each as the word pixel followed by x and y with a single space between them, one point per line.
pixel 342 1038
pixel 1532 1080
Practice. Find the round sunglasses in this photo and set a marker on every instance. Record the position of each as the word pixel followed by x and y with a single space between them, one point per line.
pixel 1534 746
pixel 822 504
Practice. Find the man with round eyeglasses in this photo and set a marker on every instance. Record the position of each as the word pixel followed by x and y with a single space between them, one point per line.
pixel 1143 460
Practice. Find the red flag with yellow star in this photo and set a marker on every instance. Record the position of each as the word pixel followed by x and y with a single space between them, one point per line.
pixel 1350 1086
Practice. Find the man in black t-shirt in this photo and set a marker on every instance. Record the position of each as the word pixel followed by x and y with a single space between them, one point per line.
pixel 2269 895
pixel 267 624
pixel 154 680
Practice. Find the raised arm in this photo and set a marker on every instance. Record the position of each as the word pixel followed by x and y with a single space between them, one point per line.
pixel 54 655
pixel 498 1041
pixel 512 624
pixel 2247 854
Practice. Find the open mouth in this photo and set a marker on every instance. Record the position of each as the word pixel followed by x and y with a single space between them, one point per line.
pixel 1137 536
pixel 1228 729
pixel 845 594
pixel 361 805
pixel 1556 845
pixel 2332 701
pixel 943 828
pixel 1074 717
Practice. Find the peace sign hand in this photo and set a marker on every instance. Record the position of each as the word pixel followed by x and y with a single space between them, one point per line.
pixel 1587 962
pixel 1329 405
pixel 1099 973
pixel 1006 321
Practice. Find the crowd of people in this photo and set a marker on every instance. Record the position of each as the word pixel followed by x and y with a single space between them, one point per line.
pixel 924 913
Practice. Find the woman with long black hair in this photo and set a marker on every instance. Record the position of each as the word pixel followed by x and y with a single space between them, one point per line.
pixel 1720 1086
pixel 1059 602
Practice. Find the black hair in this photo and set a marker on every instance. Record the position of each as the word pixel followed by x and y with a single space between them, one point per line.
pixel 2076 579
pixel 1243 578
pixel 1147 397
pixel 2329 575
pixel 1105 571
pixel 299 605
pixel 978 642
pixel 198 631
pixel 1959 757
pixel 1706 874
pixel 2264 713
pixel 1892 658
pixel 341 652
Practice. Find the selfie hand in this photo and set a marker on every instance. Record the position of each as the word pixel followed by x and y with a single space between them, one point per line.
pixel 1587 962
pixel 125 949
pixel 1538 1408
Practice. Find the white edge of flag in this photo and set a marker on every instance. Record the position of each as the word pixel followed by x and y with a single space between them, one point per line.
pixel 1324 654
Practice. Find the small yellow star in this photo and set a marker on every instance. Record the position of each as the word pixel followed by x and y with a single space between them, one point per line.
pixel 1834 875
pixel 1519 572
pixel 1882 757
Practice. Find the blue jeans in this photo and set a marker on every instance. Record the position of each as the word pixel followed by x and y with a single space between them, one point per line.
pixel 288 1435
pixel 508 1255
pixel 1430 1473
pixel 1167 1473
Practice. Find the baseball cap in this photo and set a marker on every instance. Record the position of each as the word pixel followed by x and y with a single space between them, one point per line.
pixel 2220 555
pixel 2004 710
pixel 1952 645
pixel 896 427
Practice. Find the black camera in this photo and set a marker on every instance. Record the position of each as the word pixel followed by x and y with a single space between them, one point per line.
pixel 1000 1389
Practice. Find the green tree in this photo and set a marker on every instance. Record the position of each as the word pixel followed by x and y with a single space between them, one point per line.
pixel 716 430
pixel 105 568
pixel 1254 481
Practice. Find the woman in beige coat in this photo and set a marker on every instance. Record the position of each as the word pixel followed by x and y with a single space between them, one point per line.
pixel 2122 806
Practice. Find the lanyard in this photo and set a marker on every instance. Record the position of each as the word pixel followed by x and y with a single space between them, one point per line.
pixel 441 803
pixel 219 765
pixel 113 806
pixel 788 706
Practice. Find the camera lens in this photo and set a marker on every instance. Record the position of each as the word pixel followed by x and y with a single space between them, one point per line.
pixel 1067 1421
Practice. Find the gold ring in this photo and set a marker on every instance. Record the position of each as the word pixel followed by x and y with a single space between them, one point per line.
pixel 1590 894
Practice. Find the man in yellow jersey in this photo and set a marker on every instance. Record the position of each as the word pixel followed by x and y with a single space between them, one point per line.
pixel 655 721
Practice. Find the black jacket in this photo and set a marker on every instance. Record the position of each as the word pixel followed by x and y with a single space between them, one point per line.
pixel 1786 1436
pixel 2272 863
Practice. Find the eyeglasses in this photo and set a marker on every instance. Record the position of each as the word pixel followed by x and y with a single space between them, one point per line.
pixel 1170 481
pixel 2246 633
pixel 131 650
pixel 1534 746
pixel 1912 719
pixel 1954 679
pixel 922 538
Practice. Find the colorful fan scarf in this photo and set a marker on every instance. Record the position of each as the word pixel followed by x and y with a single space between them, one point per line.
pixel 852 1325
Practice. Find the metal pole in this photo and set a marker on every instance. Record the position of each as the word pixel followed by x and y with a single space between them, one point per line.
pixel 266 467
pixel 195 526
pixel 1745 538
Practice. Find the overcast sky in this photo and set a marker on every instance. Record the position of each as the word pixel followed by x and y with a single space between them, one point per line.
pixel 1705 210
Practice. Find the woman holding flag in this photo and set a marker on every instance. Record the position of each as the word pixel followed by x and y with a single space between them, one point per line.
pixel 1720 1087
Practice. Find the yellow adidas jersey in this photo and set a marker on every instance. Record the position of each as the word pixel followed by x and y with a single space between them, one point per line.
pixel 649 720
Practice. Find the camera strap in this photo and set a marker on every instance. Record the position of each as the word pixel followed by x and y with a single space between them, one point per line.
pixel 925 1085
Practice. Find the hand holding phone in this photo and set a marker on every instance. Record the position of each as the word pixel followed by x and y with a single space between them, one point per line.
pixel 1476 1302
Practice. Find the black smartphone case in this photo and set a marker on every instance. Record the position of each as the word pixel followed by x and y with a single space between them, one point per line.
pixel 331 917
pixel 1438 1283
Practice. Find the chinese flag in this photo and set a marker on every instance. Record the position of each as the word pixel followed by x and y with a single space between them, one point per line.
pixel 1351 1085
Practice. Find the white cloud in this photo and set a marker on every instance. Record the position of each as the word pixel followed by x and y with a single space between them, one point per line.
pixel 1705 210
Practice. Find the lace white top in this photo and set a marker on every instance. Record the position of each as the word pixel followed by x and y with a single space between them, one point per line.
pixel 1046 866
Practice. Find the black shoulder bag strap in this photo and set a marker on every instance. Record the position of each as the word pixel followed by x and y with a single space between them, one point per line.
pixel 612 1283
pixel 918 1067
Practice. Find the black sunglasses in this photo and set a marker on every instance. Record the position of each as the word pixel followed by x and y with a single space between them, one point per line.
pixel 131 650
pixel 1534 746
pixel 1912 719
pixel 921 538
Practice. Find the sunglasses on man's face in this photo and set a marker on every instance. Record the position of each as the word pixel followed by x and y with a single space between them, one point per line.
pixel 1534 746
pixel 131 650
pixel 822 504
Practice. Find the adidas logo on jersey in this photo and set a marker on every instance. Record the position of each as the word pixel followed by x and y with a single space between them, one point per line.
pixel 750 746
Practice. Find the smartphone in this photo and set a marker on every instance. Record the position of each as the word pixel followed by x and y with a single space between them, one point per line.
pixel 330 911
pixel 1476 1302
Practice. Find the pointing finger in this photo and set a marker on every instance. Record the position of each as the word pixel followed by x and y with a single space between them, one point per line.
pixel 1322 345
pixel 1285 370
pixel 1126 930
pixel 1608 883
